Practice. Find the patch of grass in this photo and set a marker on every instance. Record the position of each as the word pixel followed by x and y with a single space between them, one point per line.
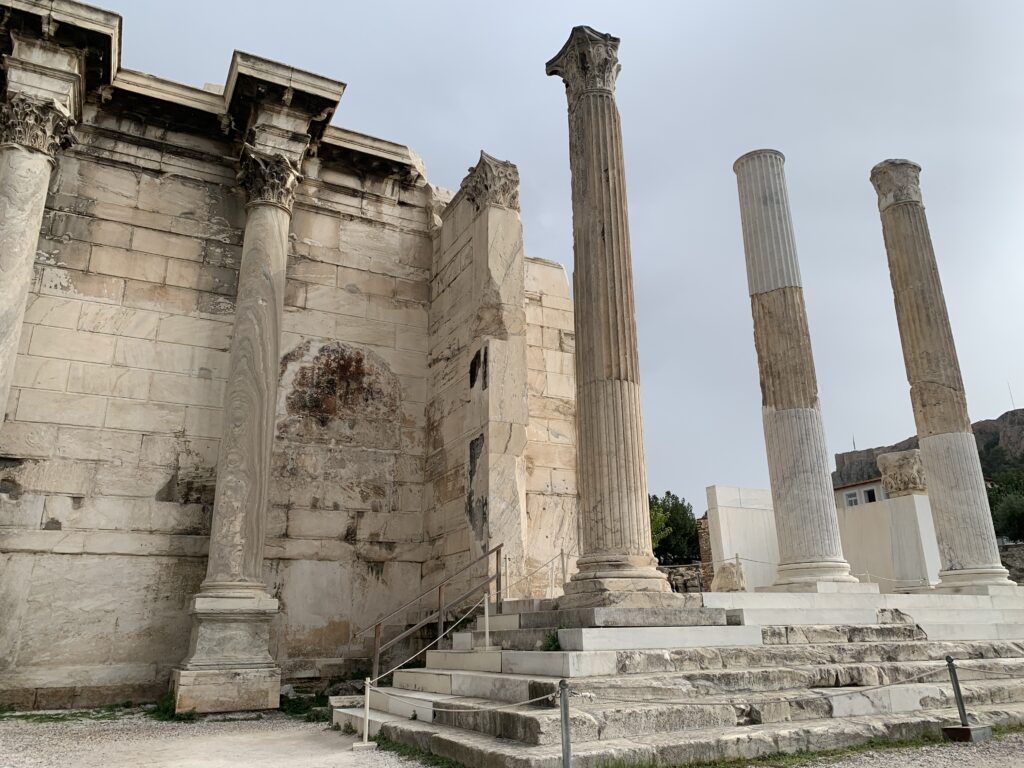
pixel 424 758
pixel 303 706
pixel 164 710
pixel 1002 731
pixel 551 642
pixel 348 728
pixel 103 713
pixel 319 715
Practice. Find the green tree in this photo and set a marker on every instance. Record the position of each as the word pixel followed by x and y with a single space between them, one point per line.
pixel 659 522
pixel 1008 516
pixel 673 530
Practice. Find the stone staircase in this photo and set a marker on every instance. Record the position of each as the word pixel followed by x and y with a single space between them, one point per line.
pixel 682 684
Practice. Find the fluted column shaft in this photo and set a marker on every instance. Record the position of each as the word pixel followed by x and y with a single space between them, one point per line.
pixel 798 464
pixel 949 454
pixel 615 532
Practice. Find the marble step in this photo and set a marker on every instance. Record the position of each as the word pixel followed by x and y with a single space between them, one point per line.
pixel 599 718
pixel 800 616
pixel 606 617
pixel 632 638
pixel 534 639
pixel 939 631
pixel 689 747
pixel 690 683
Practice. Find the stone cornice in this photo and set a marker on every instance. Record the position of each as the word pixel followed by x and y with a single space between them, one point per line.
pixel 35 124
pixel 589 61
pixel 268 178
pixel 896 181
pixel 492 182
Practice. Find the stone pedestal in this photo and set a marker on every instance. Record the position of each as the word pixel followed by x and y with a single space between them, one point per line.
pixel 949 454
pixel 232 612
pixel 806 523
pixel 615 531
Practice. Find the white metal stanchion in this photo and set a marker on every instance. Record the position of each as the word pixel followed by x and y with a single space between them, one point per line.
pixel 365 743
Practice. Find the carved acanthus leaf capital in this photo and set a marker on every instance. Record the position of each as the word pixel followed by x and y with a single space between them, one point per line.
pixel 36 124
pixel 492 182
pixel 589 61
pixel 896 181
pixel 268 178
pixel 902 473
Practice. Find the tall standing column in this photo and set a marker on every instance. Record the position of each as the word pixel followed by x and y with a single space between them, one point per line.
pixel 229 666
pixel 798 464
pixel 949 454
pixel 615 528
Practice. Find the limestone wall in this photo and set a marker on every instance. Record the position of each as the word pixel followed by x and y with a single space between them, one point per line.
pixel 551 500
pixel 110 445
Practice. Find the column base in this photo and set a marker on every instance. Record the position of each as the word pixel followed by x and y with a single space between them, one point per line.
pixel 977 581
pixel 821 576
pixel 225 690
pixel 617 573
pixel 229 666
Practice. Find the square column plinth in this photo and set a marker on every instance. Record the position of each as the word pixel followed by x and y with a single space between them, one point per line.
pixel 228 667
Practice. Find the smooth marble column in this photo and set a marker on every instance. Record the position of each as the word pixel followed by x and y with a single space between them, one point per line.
pixel 31 132
pixel 615 530
pixel 949 454
pixel 232 611
pixel 806 521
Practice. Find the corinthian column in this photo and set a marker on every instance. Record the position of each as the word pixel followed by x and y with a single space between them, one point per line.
pixel 35 122
pixel 232 611
pixel 949 454
pixel 806 522
pixel 615 528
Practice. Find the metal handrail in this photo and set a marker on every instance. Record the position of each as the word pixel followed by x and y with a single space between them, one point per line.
pixel 423 594
pixel 442 605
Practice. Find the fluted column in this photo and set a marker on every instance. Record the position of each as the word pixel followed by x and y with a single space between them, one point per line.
pixel 949 454
pixel 615 531
pixel 798 464
pixel 232 611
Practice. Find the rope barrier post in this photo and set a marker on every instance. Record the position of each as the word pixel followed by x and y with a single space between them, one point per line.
pixel 965 731
pixel 563 702
pixel 376 649
pixel 487 624
pixel 365 743
pixel 440 610
pixel 497 584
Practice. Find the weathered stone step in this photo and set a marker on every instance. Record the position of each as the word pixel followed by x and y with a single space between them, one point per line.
pixel 614 616
pixel 631 638
pixel 841 633
pixel 534 639
pixel 690 747
pixel 597 720
pixel 796 616
pixel 989 631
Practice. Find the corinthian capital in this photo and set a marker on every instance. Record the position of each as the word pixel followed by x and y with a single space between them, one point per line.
pixel 589 61
pixel 896 181
pixel 35 124
pixel 492 182
pixel 268 178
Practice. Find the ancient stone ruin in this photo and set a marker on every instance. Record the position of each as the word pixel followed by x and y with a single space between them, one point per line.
pixel 275 402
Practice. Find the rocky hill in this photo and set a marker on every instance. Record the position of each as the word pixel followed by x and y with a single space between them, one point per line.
pixel 1000 441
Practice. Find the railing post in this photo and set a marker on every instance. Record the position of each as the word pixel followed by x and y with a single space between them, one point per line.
pixel 440 611
pixel 563 702
pixel 376 650
pixel 957 693
pixel 498 595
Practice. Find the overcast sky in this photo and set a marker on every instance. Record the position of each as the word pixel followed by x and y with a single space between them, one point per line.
pixel 836 86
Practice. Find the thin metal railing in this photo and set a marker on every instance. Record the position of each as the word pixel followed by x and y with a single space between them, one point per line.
pixel 442 604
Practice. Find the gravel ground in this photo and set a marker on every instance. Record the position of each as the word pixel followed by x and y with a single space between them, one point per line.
pixel 133 740
pixel 278 741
